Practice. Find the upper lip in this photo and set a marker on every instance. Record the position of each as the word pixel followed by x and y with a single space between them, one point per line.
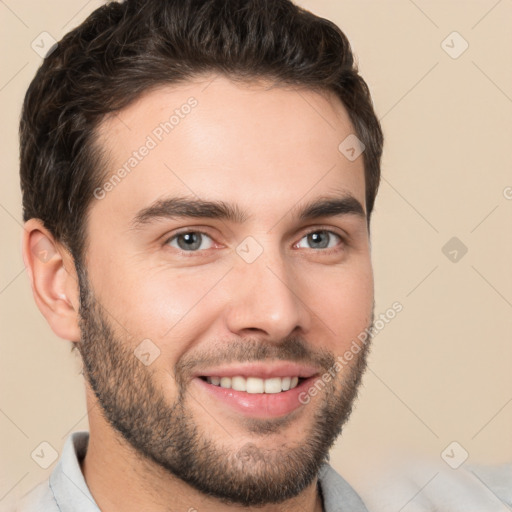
pixel 261 370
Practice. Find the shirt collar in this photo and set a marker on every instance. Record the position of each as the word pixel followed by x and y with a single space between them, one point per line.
pixel 337 494
pixel 67 480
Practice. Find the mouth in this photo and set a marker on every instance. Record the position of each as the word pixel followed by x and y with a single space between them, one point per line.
pixel 254 385
pixel 258 391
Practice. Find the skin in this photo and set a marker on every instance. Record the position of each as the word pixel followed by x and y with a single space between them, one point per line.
pixel 241 145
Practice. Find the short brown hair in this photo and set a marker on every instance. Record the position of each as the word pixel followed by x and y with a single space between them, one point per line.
pixel 124 49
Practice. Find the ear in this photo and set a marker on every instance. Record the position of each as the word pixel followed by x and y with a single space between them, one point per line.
pixel 53 278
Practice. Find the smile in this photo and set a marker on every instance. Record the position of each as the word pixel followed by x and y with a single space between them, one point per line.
pixel 261 398
pixel 254 384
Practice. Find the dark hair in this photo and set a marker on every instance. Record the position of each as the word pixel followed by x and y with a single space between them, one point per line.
pixel 124 49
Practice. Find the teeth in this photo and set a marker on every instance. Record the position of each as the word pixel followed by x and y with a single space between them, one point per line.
pixel 225 382
pixel 254 384
pixel 273 385
pixel 238 384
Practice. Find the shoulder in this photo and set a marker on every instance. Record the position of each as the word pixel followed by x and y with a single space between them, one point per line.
pixel 432 486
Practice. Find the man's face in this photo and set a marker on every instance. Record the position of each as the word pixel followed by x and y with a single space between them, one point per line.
pixel 173 301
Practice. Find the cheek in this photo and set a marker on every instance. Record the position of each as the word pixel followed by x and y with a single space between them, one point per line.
pixel 343 301
pixel 172 307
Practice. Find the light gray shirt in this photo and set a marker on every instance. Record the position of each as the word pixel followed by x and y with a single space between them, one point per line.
pixel 66 490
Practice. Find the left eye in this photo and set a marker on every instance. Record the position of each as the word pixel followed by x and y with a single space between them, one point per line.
pixel 321 239
pixel 190 241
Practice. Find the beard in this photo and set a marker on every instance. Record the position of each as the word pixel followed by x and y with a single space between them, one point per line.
pixel 169 435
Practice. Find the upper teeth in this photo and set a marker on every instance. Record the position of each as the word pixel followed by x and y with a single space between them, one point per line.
pixel 254 384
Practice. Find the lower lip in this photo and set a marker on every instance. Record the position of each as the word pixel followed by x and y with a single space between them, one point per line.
pixel 258 405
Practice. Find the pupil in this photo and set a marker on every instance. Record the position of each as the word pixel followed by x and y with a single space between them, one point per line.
pixel 191 241
pixel 316 238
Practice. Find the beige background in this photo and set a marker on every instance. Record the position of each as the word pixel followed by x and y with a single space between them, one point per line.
pixel 441 370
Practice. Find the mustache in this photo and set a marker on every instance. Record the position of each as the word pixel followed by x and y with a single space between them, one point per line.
pixel 294 349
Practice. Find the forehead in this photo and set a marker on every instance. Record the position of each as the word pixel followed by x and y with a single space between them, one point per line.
pixel 263 147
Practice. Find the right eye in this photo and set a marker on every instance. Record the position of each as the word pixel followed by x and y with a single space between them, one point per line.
pixel 190 241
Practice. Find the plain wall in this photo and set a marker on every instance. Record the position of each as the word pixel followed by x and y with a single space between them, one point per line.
pixel 441 370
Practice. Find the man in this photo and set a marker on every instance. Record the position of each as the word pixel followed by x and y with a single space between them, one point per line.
pixel 198 178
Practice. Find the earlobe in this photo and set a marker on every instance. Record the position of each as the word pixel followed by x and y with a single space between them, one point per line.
pixel 53 279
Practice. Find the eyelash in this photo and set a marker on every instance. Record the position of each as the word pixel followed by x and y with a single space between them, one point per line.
pixel 328 250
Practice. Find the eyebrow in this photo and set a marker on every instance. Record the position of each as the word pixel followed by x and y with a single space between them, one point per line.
pixel 182 207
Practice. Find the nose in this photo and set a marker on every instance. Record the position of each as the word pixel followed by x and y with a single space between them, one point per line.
pixel 266 300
